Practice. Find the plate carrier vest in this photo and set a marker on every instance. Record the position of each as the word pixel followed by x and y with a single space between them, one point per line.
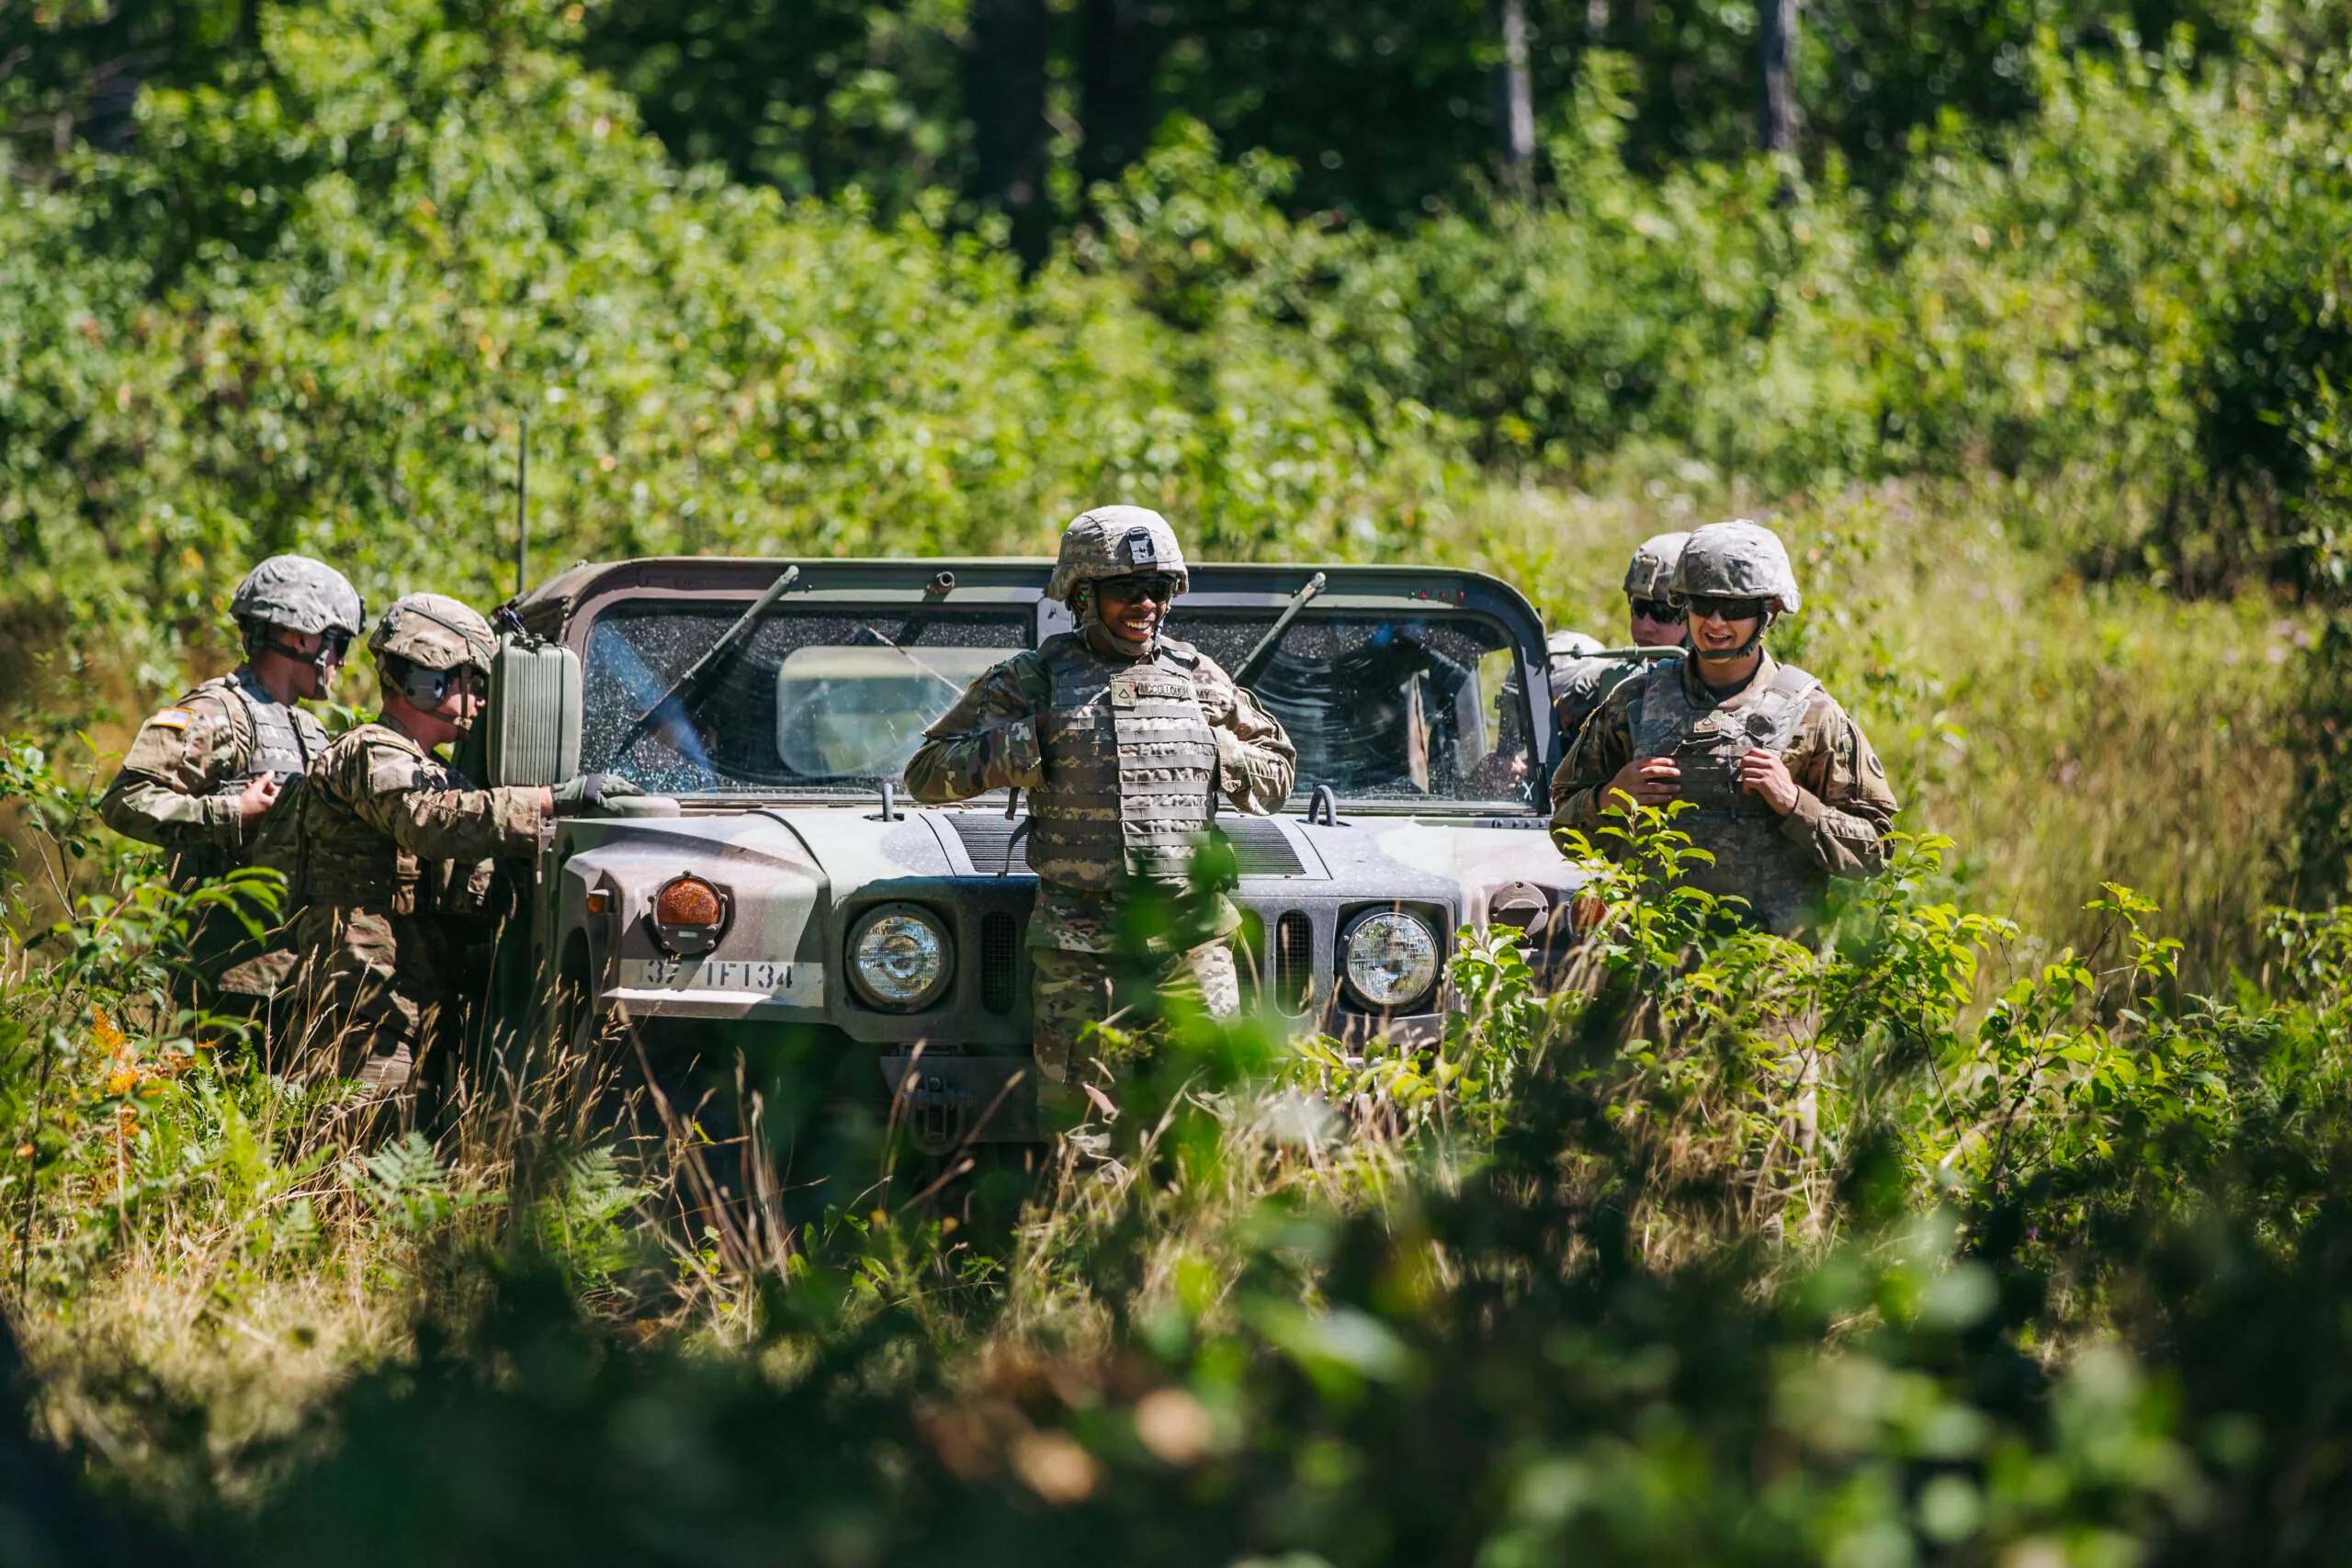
pixel 1753 860
pixel 1130 765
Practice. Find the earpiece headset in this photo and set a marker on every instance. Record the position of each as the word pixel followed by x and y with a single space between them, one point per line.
pixel 425 688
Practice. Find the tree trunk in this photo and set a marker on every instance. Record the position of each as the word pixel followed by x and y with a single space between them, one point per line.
pixel 1515 101
pixel 1005 92
pixel 1776 128
pixel 1119 58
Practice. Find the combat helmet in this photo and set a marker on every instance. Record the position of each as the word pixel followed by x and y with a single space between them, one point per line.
pixel 297 594
pixel 1115 541
pixel 1651 572
pixel 1739 559
pixel 428 637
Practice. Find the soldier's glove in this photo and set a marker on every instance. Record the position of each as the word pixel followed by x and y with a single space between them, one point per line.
pixel 589 792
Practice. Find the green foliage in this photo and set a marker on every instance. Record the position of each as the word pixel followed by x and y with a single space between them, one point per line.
pixel 1580 1340
pixel 308 305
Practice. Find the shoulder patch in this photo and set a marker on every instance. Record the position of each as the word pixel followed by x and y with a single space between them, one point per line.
pixel 171 718
pixel 391 770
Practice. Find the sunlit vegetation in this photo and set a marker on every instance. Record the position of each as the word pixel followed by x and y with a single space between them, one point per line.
pixel 2003 1227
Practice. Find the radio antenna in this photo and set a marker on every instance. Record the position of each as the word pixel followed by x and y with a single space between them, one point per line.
pixel 523 508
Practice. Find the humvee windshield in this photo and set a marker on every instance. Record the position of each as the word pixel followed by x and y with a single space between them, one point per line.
pixel 1387 708
pixel 1420 710
pixel 809 703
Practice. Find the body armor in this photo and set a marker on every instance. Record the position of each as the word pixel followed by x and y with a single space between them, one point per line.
pixel 284 738
pixel 1754 859
pixel 274 738
pixel 1130 762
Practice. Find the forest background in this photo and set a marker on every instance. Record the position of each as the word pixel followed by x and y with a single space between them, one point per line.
pixel 2023 319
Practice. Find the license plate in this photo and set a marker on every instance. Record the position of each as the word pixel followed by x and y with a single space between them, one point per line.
pixel 803 983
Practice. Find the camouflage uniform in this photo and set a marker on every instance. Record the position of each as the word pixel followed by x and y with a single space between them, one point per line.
pixel 1123 758
pixel 394 842
pixel 1580 682
pixel 180 781
pixel 1782 865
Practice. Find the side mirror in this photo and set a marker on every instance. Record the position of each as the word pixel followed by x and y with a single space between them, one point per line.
pixel 534 718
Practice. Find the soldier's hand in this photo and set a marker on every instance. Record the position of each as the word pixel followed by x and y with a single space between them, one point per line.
pixel 1764 774
pixel 1650 781
pixel 255 799
pixel 589 792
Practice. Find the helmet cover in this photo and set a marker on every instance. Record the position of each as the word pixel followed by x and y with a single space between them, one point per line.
pixel 434 631
pixel 1115 541
pixel 299 594
pixel 1739 559
pixel 1651 572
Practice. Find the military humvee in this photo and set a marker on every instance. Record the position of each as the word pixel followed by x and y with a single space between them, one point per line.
pixel 777 880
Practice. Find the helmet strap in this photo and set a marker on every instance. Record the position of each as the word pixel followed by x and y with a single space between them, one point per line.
pixel 1086 609
pixel 1763 624
pixel 261 637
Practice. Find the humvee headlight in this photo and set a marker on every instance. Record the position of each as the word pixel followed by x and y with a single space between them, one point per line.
pixel 689 915
pixel 1390 958
pixel 900 957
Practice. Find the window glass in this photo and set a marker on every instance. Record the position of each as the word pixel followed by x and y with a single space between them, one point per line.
pixel 1419 708
pixel 811 703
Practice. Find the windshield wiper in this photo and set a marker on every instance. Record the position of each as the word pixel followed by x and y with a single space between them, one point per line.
pixel 921 667
pixel 688 686
pixel 1265 649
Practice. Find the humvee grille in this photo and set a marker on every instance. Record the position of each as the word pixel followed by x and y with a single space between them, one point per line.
pixel 997 953
pixel 1294 961
pixel 1259 847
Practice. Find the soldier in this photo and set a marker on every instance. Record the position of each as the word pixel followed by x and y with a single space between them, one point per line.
pixel 217 776
pixel 1580 682
pixel 1125 739
pixel 394 840
pixel 1788 792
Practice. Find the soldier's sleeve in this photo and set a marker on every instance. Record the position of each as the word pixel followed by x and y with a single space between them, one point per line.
pixel 988 741
pixel 169 792
pixel 444 824
pixel 1603 747
pixel 1256 761
pixel 1845 807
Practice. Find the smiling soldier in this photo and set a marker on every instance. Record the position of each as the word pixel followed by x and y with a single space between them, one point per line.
pixel 1788 794
pixel 1123 737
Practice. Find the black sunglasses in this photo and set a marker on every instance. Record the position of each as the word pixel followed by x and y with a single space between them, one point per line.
pixel 1705 605
pixel 1658 610
pixel 1160 588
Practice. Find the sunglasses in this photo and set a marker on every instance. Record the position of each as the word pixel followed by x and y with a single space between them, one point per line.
pixel 1658 610
pixel 1704 606
pixel 1160 588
